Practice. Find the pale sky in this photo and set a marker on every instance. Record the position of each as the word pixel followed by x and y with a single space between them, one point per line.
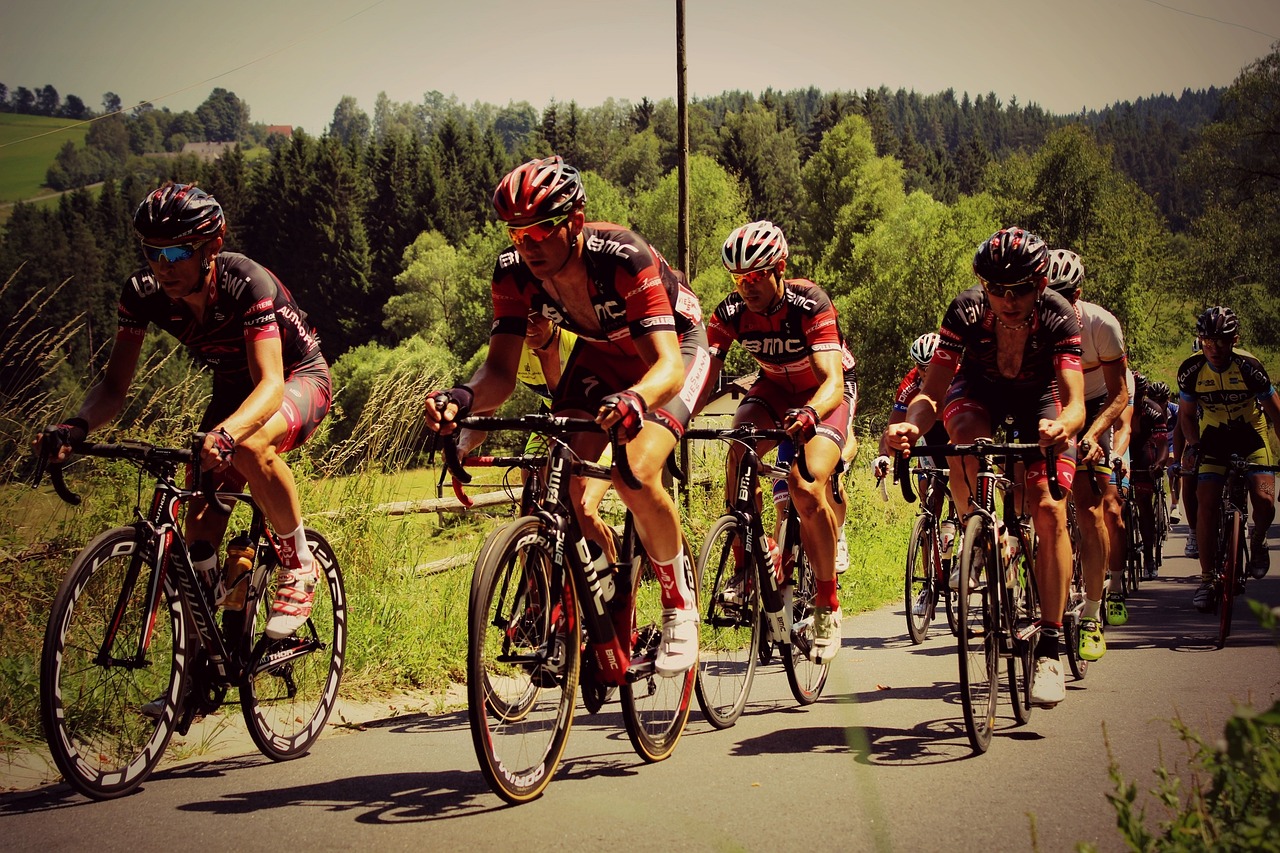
pixel 292 60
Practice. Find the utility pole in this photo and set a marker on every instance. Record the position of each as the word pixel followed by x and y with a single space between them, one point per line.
pixel 682 122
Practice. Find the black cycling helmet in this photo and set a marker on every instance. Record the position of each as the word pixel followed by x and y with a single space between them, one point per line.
pixel 1158 391
pixel 1066 272
pixel 1012 256
pixel 179 213
pixel 1217 322
pixel 539 189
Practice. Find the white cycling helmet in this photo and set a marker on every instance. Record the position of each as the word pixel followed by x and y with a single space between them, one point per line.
pixel 923 348
pixel 754 246
pixel 1066 271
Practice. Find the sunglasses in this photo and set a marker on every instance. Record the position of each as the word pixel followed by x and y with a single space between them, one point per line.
pixel 1006 291
pixel 536 231
pixel 753 277
pixel 172 254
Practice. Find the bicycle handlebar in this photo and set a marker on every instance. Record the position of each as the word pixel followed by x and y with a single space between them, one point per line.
pixel 143 454
pixel 981 447
pixel 541 423
pixel 750 435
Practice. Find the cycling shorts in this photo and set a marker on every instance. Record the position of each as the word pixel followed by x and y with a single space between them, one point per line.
pixel 308 394
pixel 1219 441
pixel 776 400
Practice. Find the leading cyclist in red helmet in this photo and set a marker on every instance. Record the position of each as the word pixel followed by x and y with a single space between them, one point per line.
pixel 639 368
pixel 1020 344
pixel 271 385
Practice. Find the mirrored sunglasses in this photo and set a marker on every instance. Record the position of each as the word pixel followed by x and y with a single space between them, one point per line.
pixel 172 254
pixel 1005 291
pixel 753 277
pixel 536 231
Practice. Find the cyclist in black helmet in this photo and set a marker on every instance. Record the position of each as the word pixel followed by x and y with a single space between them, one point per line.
pixel 1227 399
pixel 271 384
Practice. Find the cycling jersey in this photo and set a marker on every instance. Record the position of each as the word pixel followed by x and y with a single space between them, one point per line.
pixel 529 370
pixel 907 390
pixel 782 342
pixel 1231 418
pixel 969 330
pixel 1101 343
pixel 631 289
pixel 246 303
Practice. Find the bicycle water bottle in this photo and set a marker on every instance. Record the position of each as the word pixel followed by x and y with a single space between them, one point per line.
pixel 1009 551
pixel 947 538
pixel 240 554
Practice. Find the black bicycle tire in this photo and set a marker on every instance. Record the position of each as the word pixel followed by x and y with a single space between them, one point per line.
pixel 917 580
pixel 715 567
pixel 654 730
pixel 59 658
pixel 1228 572
pixel 979 710
pixel 489 729
pixel 805 677
pixel 1022 662
pixel 282 725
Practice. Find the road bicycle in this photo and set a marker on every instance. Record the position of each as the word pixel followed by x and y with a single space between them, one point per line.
pixel 544 616
pixel 929 560
pixel 998 607
pixel 133 620
pixel 1076 596
pixel 1133 545
pixel 748 608
pixel 1162 526
pixel 1231 569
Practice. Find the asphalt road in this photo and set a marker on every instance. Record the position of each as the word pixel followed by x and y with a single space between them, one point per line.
pixel 881 762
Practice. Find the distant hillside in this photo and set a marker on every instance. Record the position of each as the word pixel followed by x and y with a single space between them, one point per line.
pixel 23 159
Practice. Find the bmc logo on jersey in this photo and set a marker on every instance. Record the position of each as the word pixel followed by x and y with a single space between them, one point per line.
pixel 796 299
pixel 509 258
pixel 773 346
pixel 610 247
pixel 611 310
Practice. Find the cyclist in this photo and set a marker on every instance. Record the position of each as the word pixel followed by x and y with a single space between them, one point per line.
pixel 546 350
pixel 1020 344
pixel 807 386
pixel 1149 450
pixel 271 385
pixel 1173 468
pixel 1235 398
pixel 922 350
pixel 1105 398
pixel 639 367
pixel 1187 476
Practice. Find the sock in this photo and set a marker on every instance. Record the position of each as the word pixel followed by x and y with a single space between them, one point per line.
pixel 1047 644
pixel 827 595
pixel 677 591
pixel 1091 609
pixel 294 551
pixel 1116 586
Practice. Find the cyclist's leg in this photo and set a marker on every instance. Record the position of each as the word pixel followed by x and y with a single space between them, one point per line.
pixel 1208 504
pixel 968 414
pixel 1262 499
pixel 818 528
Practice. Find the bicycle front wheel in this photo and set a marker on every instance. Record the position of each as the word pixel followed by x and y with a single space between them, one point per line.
pixel 729 636
pixel 113 667
pixel 654 709
pixel 292 683
pixel 523 661
pixel 978 643
pixel 804 674
pixel 1230 563
pixel 922 570
pixel 1022 610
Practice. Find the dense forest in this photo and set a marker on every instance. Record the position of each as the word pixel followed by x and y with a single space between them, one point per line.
pixel 382 225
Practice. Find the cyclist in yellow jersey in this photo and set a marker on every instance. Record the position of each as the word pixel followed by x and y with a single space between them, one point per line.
pixel 1231 391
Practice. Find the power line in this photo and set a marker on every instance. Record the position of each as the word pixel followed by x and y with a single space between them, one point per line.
pixel 243 65
pixel 1211 18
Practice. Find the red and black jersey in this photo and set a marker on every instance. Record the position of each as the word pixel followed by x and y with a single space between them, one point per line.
pixel 782 341
pixel 969 331
pixel 907 389
pixel 633 291
pixel 246 303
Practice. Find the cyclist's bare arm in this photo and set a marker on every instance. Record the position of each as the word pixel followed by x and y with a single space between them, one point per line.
pixel 491 384
pixel 106 398
pixel 1271 408
pixel 830 391
pixel 1071 418
pixel 665 376
pixel 1117 399
pixel 922 414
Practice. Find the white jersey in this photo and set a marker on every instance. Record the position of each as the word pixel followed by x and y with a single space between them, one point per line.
pixel 1101 342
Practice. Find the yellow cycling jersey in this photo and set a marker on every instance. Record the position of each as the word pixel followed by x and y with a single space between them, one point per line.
pixel 1230 394
pixel 529 371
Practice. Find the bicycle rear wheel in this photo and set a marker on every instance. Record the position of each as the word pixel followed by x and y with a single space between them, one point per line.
pixel 654 709
pixel 922 570
pixel 91 698
pixel 729 637
pixel 1022 610
pixel 979 635
pixel 292 683
pixel 1133 548
pixel 523 662
pixel 805 675
pixel 1230 562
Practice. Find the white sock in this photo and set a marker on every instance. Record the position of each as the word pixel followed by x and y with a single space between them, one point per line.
pixel 1091 609
pixel 295 544
pixel 674 577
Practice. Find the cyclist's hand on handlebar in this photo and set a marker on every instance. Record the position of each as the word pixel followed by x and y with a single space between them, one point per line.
pixel 57 441
pixel 443 408
pixel 880 466
pixel 216 451
pixel 801 424
pixel 1051 433
pixel 623 413
pixel 1092 452
pixel 901 436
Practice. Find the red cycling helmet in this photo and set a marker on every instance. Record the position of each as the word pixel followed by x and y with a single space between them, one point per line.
pixel 179 213
pixel 539 189
pixel 1012 256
